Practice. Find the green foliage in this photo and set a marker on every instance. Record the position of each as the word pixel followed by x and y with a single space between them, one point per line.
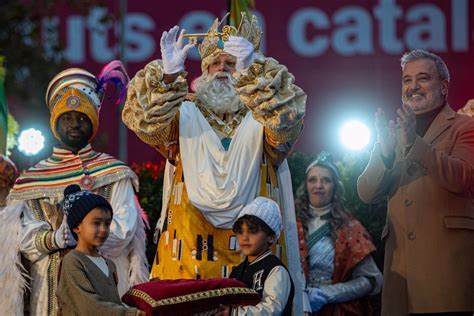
pixel 150 197
pixel 236 7
pixel 13 129
pixel 372 216
pixel 298 162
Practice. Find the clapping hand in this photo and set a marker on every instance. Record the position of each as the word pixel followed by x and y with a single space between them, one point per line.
pixel 386 134
pixel 407 122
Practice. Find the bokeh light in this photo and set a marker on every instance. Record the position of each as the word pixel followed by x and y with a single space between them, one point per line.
pixel 354 135
pixel 30 142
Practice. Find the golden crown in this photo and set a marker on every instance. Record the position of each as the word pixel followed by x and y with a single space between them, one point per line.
pixel 214 40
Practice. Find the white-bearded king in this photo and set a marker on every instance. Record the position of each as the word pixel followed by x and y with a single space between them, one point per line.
pixel 224 145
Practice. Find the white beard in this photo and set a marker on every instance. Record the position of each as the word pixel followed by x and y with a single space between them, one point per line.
pixel 220 96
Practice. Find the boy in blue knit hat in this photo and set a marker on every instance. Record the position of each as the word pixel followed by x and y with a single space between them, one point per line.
pixel 88 281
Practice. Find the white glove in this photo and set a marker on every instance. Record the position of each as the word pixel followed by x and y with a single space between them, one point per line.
pixel 242 49
pixel 173 54
pixel 317 299
pixel 63 237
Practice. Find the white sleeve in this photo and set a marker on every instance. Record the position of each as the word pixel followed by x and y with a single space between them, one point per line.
pixel 366 279
pixel 304 290
pixel 276 291
pixel 124 221
pixel 30 229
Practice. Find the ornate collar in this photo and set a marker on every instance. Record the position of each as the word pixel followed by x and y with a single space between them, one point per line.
pixel 89 169
pixel 226 127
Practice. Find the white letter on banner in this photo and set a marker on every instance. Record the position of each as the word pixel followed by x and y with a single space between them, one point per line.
pixel 139 45
pixel 355 36
pixel 426 35
pixel 297 32
pixel 460 22
pixel 387 12
pixel 75 49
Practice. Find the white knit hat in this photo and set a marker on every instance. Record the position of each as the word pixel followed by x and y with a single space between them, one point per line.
pixel 267 210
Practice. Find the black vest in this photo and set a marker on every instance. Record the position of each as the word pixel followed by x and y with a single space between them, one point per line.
pixel 255 275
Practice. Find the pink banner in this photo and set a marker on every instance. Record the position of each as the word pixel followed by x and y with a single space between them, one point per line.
pixel 344 54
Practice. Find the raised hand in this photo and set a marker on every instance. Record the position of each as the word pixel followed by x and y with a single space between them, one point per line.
pixel 386 134
pixel 63 237
pixel 173 54
pixel 242 49
pixel 407 121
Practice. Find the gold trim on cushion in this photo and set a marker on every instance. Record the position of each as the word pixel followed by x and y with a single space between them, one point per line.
pixel 188 297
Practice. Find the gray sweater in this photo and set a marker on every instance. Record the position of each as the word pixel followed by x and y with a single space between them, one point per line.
pixel 84 289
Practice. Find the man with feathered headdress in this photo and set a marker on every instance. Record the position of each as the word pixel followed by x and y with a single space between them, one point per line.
pixel 224 145
pixel 74 97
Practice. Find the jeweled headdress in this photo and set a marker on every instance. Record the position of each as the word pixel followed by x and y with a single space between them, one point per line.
pixel 76 89
pixel 213 42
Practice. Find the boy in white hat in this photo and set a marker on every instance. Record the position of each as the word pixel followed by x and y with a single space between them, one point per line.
pixel 257 228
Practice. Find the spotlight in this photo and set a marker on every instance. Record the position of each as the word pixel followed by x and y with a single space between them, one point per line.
pixel 30 142
pixel 354 135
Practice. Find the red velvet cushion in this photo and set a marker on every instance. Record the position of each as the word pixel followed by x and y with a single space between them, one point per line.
pixel 186 297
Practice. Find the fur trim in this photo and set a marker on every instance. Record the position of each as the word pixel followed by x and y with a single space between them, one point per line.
pixel 13 276
pixel 139 270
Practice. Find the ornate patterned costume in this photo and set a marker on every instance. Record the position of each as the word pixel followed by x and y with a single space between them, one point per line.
pixel 343 269
pixel 37 193
pixel 216 165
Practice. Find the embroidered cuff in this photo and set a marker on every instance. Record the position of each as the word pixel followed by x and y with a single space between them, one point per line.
pixel 159 136
pixel 44 241
pixel 288 135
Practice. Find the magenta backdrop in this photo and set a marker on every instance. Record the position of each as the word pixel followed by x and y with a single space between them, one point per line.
pixel 344 54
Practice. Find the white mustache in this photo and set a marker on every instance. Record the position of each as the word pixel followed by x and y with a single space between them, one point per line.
pixel 219 75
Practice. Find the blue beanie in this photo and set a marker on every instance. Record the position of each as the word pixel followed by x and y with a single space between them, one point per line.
pixel 78 203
